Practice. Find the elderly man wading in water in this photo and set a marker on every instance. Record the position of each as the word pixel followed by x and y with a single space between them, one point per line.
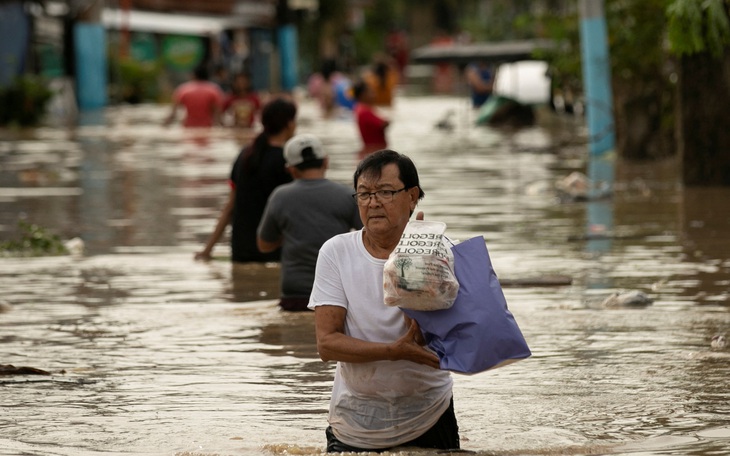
pixel 388 388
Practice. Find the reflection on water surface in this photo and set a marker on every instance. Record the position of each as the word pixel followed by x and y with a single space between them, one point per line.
pixel 153 353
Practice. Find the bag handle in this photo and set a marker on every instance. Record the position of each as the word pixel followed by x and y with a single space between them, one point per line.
pixel 449 240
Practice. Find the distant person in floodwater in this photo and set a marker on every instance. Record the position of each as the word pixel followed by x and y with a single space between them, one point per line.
pixel 443 72
pixel 396 45
pixel 382 78
pixel 257 171
pixel 326 93
pixel 242 106
pixel 480 80
pixel 201 99
pixel 370 125
pixel 221 78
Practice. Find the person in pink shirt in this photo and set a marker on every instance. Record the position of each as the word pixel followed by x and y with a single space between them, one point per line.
pixel 370 124
pixel 201 99
pixel 243 105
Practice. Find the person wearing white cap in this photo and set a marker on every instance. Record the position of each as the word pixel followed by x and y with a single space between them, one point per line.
pixel 300 216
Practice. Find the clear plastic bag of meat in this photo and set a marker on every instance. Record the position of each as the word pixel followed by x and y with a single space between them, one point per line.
pixel 419 273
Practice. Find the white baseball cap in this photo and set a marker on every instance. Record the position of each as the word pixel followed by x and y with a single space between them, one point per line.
pixel 302 148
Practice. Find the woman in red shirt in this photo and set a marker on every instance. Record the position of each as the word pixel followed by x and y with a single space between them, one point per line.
pixel 370 124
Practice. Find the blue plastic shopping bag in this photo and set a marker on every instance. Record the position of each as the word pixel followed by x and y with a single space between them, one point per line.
pixel 478 332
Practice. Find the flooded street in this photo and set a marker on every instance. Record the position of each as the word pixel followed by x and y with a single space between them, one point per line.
pixel 152 353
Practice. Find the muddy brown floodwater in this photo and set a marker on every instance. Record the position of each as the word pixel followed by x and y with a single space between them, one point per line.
pixel 152 353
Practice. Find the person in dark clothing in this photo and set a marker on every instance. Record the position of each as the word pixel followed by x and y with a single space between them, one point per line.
pixel 257 171
pixel 480 80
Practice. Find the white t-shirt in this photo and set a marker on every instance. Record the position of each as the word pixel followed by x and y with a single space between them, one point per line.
pixel 384 403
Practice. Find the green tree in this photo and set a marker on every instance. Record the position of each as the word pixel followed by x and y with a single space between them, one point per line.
pixel 699 33
pixel 697 27
pixel 379 19
pixel 641 79
pixel 642 76
pixel 320 33
pixel 650 43
pixel 23 103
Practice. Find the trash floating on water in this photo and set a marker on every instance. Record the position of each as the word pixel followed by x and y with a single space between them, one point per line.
pixel 633 298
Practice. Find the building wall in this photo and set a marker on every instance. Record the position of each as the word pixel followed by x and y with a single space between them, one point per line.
pixel 14 40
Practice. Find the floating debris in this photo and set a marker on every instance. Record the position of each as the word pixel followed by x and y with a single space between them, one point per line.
pixel 718 342
pixel 632 298
pixel 9 369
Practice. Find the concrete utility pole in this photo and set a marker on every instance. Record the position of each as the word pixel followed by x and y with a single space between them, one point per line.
pixel 90 50
pixel 596 76
pixel 599 112
pixel 288 45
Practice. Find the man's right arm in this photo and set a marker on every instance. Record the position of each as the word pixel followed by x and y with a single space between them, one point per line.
pixel 334 345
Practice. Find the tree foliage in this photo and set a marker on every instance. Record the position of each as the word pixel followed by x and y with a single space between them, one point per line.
pixel 640 35
pixel 23 102
pixel 697 26
pixel 34 241
pixel 370 39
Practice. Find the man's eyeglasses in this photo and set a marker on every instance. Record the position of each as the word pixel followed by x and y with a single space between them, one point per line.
pixel 384 196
